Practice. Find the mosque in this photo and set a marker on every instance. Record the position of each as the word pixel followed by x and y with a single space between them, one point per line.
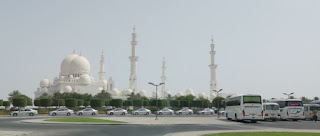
pixel 75 77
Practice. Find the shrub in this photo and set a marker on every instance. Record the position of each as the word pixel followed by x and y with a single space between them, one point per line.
pixel 185 103
pixel 45 102
pixel 71 103
pixel 36 102
pixel 6 103
pixel 146 103
pixel 1 102
pixel 161 103
pixel 19 102
pixel 128 103
pixel 116 102
pixel 137 103
pixel 80 102
pixel 175 103
pixel 197 103
pixel 107 102
pixel 86 103
pixel 58 102
pixel 96 103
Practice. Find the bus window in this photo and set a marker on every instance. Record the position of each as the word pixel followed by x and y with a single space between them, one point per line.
pixel 306 109
pixel 314 108
pixel 251 99
pixel 272 107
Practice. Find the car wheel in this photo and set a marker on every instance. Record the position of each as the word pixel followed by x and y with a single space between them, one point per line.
pixel 15 114
pixel 180 113
pixel 136 113
pixel 54 114
pixel 190 113
pixel 31 114
pixel 123 113
pixel 93 113
pixel 160 113
pixel 80 113
pixel 170 113
pixel 68 114
pixel 211 113
pixel 111 113
pixel 147 113
pixel 202 113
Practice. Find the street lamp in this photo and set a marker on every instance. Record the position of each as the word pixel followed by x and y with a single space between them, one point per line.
pixel 288 94
pixel 218 101
pixel 156 95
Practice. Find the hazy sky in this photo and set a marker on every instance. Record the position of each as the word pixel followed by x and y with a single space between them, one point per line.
pixel 263 47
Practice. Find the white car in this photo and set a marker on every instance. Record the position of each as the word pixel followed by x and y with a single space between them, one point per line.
pixel 140 111
pixel 165 111
pixel 28 112
pixel 184 111
pixel 117 111
pixel 206 111
pixel 67 112
pixel 87 111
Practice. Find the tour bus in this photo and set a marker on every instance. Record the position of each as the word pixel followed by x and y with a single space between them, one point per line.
pixel 290 109
pixel 271 111
pixel 308 108
pixel 244 107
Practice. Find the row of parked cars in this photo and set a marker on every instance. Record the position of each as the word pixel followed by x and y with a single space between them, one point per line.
pixel 117 111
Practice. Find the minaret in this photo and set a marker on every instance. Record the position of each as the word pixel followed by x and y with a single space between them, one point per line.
pixel 102 72
pixel 213 67
pixel 133 59
pixel 163 78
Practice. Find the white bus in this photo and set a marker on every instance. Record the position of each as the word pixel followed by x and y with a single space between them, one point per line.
pixel 308 108
pixel 271 111
pixel 244 107
pixel 290 109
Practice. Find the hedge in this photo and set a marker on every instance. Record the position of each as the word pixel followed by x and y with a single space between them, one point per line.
pixel 96 103
pixel 1 102
pixel 86 103
pixel 185 104
pixel 80 102
pixel 58 102
pixel 45 102
pixel 116 102
pixel 6 103
pixel 197 103
pixel 175 103
pixel 71 103
pixel 36 102
pixel 137 103
pixel 161 103
pixel 19 102
pixel 128 103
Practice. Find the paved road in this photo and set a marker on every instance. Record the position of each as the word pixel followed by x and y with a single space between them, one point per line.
pixel 14 124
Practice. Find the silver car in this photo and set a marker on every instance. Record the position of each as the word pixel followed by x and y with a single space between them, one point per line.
pixel 87 111
pixel 118 111
pixel 184 111
pixel 67 112
pixel 165 111
pixel 28 112
pixel 140 111
pixel 206 111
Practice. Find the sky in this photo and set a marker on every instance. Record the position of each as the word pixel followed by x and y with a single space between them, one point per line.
pixel 265 47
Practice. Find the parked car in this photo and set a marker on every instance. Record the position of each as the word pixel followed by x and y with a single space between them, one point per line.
pixel 67 112
pixel 222 112
pixel 118 111
pixel 140 111
pixel 206 111
pixel 28 112
pixel 87 111
pixel 185 111
pixel 165 111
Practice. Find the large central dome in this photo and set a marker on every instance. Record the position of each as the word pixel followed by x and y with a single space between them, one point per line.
pixel 74 64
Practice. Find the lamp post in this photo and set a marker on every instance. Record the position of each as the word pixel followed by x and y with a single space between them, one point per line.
pixel 218 101
pixel 288 94
pixel 156 96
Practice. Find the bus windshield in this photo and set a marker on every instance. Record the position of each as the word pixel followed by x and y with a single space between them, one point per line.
pixel 251 99
pixel 294 103
pixel 272 107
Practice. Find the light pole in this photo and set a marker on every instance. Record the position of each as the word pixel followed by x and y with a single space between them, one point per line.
pixel 156 96
pixel 288 94
pixel 218 101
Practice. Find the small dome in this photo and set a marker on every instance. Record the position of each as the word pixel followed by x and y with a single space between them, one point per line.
pixel 85 79
pixel 44 83
pixel 115 92
pixel 189 91
pixel 65 64
pixel 67 89
pixel 179 94
pixel 129 91
pixel 104 81
pixel 202 95
pixel 100 88
pixel 79 65
pixel 143 93
pixel 167 93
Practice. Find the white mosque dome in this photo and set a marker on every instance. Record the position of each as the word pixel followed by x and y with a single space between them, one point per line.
pixel 79 65
pixel 202 95
pixel 189 91
pixel 115 92
pixel 179 94
pixel 129 91
pixel 67 89
pixel 167 93
pixel 65 65
pixel 142 93
pixel 100 88
pixel 45 82
pixel 85 79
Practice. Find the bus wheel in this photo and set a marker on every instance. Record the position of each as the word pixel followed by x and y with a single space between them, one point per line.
pixel 253 121
pixel 228 117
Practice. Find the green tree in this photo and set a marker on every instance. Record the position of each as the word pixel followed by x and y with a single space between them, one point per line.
pixel 80 102
pixel 107 102
pixel 175 103
pixel 58 102
pixel 197 103
pixel 217 102
pixel 305 100
pixel 71 102
pixel 36 102
pixel 6 103
pixel 86 103
pixel 103 95
pixel 128 103
pixel 1 102
pixel 161 103
pixel 96 103
pixel 137 103
pixel 45 102
pixel 19 102
pixel 116 102
pixel 185 103
pixel 316 98
pixel 17 94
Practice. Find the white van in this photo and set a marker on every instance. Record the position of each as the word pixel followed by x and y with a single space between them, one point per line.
pixel 308 108
pixel 271 111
